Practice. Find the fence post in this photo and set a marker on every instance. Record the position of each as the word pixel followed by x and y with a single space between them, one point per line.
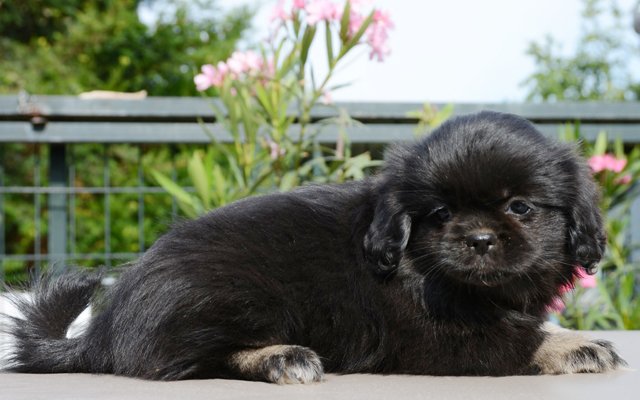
pixel 57 235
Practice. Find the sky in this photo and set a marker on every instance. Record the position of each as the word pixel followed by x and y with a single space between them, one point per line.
pixel 451 50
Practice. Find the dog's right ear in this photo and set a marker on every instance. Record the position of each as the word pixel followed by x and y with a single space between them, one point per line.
pixel 388 234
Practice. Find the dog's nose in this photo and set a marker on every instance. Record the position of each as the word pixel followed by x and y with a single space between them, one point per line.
pixel 482 242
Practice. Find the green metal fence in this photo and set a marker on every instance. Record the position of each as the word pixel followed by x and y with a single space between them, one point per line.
pixel 55 125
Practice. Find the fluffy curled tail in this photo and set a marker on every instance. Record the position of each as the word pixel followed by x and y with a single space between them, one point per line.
pixel 40 343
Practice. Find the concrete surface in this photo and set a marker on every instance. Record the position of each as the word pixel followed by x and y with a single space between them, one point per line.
pixel 621 385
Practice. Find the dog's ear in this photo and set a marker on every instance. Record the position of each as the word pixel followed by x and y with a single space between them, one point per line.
pixel 388 234
pixel 587 235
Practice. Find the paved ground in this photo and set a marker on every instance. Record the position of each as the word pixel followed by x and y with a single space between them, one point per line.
pixel 620 385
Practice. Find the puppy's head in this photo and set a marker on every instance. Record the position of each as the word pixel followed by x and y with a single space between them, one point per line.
pixel 485 200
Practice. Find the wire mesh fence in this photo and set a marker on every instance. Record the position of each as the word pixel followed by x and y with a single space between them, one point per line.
pixel 75 182
pixel 84 204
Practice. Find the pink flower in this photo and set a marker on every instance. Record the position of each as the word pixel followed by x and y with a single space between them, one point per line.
pixel 607 162
pixel 276 151
pixel 248 62
pixel 586 280
pixel 623 180
pixel 236 63
pixel 298 4
pixel 223 69
pixel 377 35
pixel 379 48
pixel 382 20
pixel 270 70
pixel 355 18
pixel 203 80
pixel 278 12
pixel 557 305
pixel 209 77
pixel 326 97
pixel 320 10
pixel 356 5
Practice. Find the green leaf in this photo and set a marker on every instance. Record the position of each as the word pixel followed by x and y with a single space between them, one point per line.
pixel 327 30
pixel 231 158
pixel 289 181
pixel 198 176
pixel 344 22
pixel 354 40
pixel 173 188
pixel 287 64
pixel 618 148
pixel 600 146
pixel 189 204
pixel 262 96
pixel 219 185
pixel 307 39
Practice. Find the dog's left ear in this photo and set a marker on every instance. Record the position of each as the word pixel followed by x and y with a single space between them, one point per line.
pixel 587 234
pixel 388 235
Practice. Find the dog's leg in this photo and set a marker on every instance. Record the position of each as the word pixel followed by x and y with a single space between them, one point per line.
pixel 564 351
pixel 280 364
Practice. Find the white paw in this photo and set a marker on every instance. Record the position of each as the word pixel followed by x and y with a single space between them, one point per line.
pixel 281 364
pixel 565 352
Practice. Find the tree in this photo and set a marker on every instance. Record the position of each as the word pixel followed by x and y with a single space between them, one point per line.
pixel 72 46
pixel 600 69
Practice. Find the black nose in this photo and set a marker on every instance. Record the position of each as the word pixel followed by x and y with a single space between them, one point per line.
pixel 482 242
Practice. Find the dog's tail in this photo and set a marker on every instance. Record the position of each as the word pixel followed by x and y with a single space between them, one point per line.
pixel 40 343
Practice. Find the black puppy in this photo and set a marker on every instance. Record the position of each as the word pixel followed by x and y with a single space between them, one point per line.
pixel 443 264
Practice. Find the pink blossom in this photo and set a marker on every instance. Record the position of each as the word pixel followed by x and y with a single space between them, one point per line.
pixel 326 97
pixel 586 280
pixel 276 151
pixel 298 4
pixel 253 62
pixel 355 20
pixel 203 80
pixel 270 70
pixel 607 162
pixel 377 35
pixel 557 305
pixel 320 10
pixel 382 20
pixel 236 63
pixel 223 69
pixel 248 62
pixel 625 179
pixel 356 5
pixel 278 12
pixel 209 77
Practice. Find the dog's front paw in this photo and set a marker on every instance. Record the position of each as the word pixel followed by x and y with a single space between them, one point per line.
pixel 279 364
pixel 564 352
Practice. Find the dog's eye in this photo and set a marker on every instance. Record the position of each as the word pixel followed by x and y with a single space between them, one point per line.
pixel 519 208
pixel 443 214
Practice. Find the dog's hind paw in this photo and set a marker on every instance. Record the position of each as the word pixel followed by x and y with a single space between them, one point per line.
pixel 281 364
pixel 565 352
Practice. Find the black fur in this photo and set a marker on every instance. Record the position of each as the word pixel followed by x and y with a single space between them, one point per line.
pixel 374 276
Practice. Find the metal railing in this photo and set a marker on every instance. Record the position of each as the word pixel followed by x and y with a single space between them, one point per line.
pixel 59 123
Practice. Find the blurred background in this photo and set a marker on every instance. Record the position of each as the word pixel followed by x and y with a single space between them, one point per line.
pixel 453 51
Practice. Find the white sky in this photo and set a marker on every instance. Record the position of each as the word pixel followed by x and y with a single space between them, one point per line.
pixel 451 50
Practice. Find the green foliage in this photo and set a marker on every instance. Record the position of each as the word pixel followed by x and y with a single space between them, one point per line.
pixel 430 117
pixel 89 224
pixel 72 46
pixel 615 303
pixel 600 68
pixel 269 152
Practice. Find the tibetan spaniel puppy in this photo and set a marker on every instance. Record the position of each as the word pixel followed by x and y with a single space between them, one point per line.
pixel 444 263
